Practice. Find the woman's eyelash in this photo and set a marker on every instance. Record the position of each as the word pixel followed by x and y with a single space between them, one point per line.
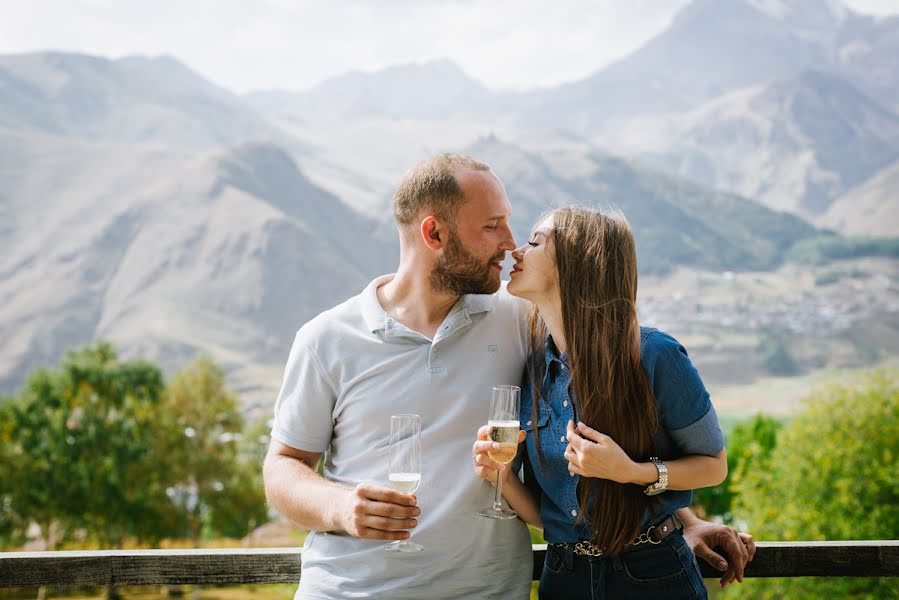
pixel 535 244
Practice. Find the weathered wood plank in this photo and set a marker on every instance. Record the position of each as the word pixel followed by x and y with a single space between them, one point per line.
pixel 150 567
pixel 868 558
pixel 821 559
pixel 283 565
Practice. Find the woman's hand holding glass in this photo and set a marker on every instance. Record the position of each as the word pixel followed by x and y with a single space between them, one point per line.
pixel 591 453
pixel 486 467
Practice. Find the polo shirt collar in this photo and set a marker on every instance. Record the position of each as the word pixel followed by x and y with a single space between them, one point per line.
pixel 374 315
pixel 377 320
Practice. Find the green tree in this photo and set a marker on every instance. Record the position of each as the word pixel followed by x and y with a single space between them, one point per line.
pixel 830 477
pixel 220 488
pixel 86 452
pixel 12 525
pixel 749 446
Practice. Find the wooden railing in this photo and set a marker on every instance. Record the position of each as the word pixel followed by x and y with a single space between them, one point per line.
pixel 283 565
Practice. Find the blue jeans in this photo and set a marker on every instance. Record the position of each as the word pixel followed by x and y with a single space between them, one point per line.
pixel 664 570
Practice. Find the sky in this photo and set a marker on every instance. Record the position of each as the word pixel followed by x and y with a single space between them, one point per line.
pixel 248 45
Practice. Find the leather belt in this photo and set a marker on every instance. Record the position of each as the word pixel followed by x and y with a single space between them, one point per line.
pixel 654 534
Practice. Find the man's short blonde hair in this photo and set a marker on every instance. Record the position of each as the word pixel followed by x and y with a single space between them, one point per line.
pixel 431 187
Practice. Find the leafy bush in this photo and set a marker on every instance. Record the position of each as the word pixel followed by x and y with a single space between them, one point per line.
pixel 102 451
pixel 831 476
pixel 749 445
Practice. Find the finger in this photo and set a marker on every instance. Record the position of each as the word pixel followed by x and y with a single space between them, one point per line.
pixel 483 460
pixel 385 509
pixel 484 432
pixel 573 468
pixel 522 434
pixel 571 456
pixel 572 435
pixel 729 577
pixel 733 545
pixel 485 447
pixel 386 524
pixel 486 474
pixel 749 543
pixel 378 493
pixel 377 534
pixel 710 556
pixel 590 433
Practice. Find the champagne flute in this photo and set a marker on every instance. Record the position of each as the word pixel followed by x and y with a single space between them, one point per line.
pixel 504 427
pixel 404 472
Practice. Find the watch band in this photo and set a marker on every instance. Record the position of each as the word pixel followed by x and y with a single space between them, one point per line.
pixel 662 484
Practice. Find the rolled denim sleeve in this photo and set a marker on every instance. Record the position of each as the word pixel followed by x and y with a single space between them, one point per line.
pixel 685 408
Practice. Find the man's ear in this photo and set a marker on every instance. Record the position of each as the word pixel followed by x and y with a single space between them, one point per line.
pixel 433 233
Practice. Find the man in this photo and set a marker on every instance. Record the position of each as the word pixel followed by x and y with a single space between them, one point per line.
pixel 432 340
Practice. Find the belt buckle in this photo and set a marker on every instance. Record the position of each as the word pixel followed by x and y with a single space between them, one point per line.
pixel 586 548
pixel 646 538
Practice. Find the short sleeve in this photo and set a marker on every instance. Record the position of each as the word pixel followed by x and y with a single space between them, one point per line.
pixel 305 405
pixel 685 408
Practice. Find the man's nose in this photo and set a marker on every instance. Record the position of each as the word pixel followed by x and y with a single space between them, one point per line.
pixel 508 243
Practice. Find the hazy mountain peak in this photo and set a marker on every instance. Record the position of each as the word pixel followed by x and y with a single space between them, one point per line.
pixel 803 15
pixel 255 154
pixel 442 66
pixel 491 145
pixel 824 10
pixel 268 172
pixel 137 99
pixel 442 73
pixel 432 89
pixel 165 66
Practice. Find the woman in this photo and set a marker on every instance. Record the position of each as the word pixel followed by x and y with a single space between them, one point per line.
pixel 619 426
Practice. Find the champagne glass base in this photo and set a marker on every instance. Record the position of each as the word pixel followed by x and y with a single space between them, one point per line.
pixel 403 546
pixel 498 513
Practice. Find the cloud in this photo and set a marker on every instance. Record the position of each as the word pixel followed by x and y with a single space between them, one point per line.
pixel 295 44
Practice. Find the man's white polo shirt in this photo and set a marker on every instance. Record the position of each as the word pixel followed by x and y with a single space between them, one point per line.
pixel 350 368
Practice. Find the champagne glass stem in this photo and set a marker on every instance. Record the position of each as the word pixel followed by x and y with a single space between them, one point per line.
pixel 498 498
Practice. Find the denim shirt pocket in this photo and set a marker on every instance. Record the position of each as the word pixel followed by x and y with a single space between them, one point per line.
pixel 534 428
pixel 527 417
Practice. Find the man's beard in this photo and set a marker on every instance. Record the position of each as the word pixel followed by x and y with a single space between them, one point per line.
pixel 460 272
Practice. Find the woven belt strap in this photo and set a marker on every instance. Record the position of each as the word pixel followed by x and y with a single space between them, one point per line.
pixel 653 535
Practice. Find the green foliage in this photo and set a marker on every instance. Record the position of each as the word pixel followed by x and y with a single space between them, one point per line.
pixel 220 488
pixel 84 453
pixel 101 450
pixel 824 249
pixel 12 525
pixel 831 476
pixel 749 446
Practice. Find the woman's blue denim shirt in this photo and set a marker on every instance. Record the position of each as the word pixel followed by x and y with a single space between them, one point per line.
pixel 688 425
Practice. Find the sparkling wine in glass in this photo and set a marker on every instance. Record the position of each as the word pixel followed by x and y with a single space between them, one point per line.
pixel 504 427
pixel 404 472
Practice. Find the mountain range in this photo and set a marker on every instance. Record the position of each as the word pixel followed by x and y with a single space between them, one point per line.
pixel 143 204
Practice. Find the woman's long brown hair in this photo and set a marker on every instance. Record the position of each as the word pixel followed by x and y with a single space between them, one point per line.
pixel 596 258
